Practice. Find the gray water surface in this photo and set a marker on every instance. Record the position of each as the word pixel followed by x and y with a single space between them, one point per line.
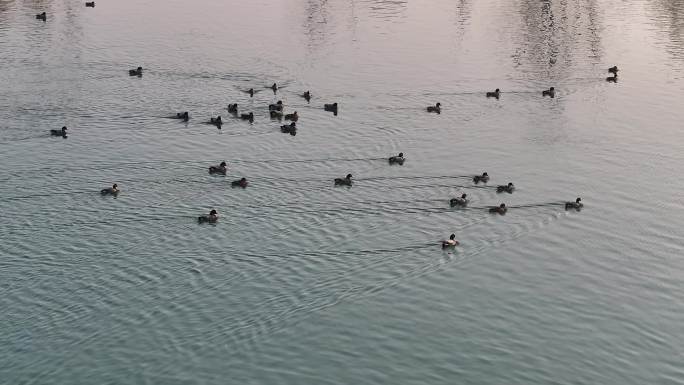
pixel 301 282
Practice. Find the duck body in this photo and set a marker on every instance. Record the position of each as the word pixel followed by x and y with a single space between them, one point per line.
pixel 276 107
pixel 220 169
pixel 217 121
pixel 41 16
pixel 346 181
pixel 232 108
pixel 494 94
pixel 62 132
pixel 612 79
pixel 249 116
pixel 212 217
pixel 114 190
pixel 90 4
pixel 289 129
pixel 242 182
pixel 307 96
pixel 484 178
pixel 451 242
pixel 397 159
pixel 293 116
pixel 275 114
pixel 551 92
pixel 501 210
pixel 184 116
pixel 509 188
pixel 577 204
pixel 136 72
pixel 462 201
pixel 436 108
pixel 330 108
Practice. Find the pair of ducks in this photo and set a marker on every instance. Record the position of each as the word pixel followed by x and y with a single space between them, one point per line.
pixel 289 129
pixel 62 132
pixel 218 121
pixel 509 188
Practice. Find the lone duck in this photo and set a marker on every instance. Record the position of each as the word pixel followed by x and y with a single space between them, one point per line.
pixel 484 178
pixel 220 169
pixel 41 16
pixel 397 159
pixel 274 87
pixel 613 70
pixel 276 107
pixel 184 116
pixel 232 108
pixel 242 182
pixel 346 181
pixel 331 108
pixel 289 129
pixel 505 188
pixel 451 242
pixel 307 96
pixel 293 117
pixel 212 217
pixel 216 121
pixel 577 204
pixel 462 201
pixel 62 132
pixel 551 92
pixel 90 4
pixel 436 108
pixel 501 209
pixel 250 92
pixel 135 72
pixel 612 79
pixel 114 190
pixel 494 94
pixel 249 117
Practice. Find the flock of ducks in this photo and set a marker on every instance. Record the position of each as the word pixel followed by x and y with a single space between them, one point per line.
pixel 276 111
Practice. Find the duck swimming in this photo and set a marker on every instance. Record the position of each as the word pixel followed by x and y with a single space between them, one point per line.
pixel 551 92
pixel 212 217
pixel 462 201
pixel 250 92
pixel 276 107
pixel 505 188
pixel 612 79
pixel 494 94
pixel 346 181
pixel 484 178
pixel 577 204
pixel 330 108
pixel 451 242
pixel 216 121
pixel 307 96
pixel 249 117
pixel 135 72
pixel 501 209
pixel 242 182
pixel 184 116
pixel 613 70
pixel 90 4
pixel 289 129
pixel 114 190
pixel 41 16
pixel 274 87
pixel 232 108
pixel 62 132
pixel 293 117
pixel 397 159
pixel 276 114
pixel 436 108
pixel 220 169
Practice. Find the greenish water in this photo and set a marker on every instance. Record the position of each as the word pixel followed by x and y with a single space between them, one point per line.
pixel 301 282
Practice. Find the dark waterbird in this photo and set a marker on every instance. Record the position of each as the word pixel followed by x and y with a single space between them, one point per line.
pixel 275 114
pixel 501 209
pixel 346 181
pixel 307 96
pixel 612 79
pixel 62 132
pixel 90 4
pixel 577 204
pixel 136 72
pixel 242 182
pixel 232 108
pixel 331 108
pixel 41 16
pixel 436 108
pixel 551 92
pixel 613 70
pixel 274 88
pixel 484 178
pixel 451 242
pixel 293 116
pixel 289 129
pixel 249 117
pixel 114 190
pixel 216 121
pixel 184 116
pixel 494 94
pixel 276 107
pixel 212 217
pixel 397 159
pixel 460 202
pixel 220 169
pixel 505 188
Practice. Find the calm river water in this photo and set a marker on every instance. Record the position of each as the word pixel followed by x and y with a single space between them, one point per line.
pixel 301 282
